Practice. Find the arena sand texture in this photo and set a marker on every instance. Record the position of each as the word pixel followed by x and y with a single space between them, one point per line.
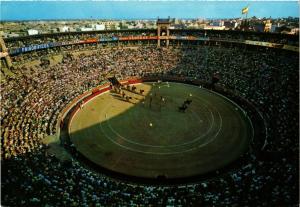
pixel 133 139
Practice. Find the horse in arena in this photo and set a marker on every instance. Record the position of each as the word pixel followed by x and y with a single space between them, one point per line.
pixel 182 108
pixel 188 102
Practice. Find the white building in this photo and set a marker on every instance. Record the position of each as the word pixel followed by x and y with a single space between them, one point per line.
pixel 32 32
pixel 85 29
pixel 139 25
pixel 99 26
pixel 209 27
pixel 64 29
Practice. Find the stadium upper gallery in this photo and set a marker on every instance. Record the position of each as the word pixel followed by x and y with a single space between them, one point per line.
pixel 161 116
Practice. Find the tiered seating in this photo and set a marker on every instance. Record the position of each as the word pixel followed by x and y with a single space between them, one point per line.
pixel 32 102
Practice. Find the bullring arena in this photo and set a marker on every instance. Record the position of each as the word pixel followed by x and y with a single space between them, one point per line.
pixel 150 141
pixel 68 132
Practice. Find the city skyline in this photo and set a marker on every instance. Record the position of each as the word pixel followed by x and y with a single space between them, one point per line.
pixel 63 10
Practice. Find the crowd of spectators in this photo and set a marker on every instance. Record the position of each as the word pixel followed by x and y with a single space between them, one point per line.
pixel 33 99
pixel 239 36
pixel 13 43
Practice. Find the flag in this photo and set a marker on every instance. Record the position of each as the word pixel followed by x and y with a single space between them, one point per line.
pixel 245 10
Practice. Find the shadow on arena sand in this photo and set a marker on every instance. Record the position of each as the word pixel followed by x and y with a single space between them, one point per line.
pixel 155 144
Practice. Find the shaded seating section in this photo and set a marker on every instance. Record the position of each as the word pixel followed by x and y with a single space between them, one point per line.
pixel 32 101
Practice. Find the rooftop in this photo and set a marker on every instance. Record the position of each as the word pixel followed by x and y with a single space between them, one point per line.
pixel 163 21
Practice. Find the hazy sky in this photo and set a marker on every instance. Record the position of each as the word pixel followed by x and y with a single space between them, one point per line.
pixel 34 10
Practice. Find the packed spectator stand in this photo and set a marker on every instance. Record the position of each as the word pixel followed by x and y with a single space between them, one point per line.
pixel 33 98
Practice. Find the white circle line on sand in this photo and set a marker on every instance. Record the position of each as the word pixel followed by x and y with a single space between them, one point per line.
pixel 221 121
pixel 162 153
pixel 165 153
pixel 231 101
pixel 169 146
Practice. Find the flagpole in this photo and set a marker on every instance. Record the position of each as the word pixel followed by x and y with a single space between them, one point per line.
pixel 247 11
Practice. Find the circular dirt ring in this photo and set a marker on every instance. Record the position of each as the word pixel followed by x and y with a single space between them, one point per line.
pixel 149 137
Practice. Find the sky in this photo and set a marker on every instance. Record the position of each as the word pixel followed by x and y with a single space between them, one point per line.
pixel 133 9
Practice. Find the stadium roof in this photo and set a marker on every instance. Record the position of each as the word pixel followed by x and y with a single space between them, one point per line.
pixel 163 21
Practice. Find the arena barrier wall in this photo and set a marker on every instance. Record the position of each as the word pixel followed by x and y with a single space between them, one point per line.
pixel 75 102
pixel 86 96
